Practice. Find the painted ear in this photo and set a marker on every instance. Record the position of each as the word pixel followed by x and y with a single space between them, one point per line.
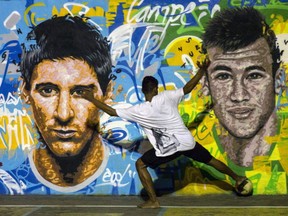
pixel 280 81
pixel 25 94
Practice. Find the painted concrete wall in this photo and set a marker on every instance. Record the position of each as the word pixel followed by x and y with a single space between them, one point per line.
pixel 158 38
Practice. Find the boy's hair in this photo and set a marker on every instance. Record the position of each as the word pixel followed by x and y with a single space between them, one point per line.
pixel 68 37
pixel 148 84
pixel 235 28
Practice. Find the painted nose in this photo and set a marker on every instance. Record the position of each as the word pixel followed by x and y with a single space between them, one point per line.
pixel 239 92
pixel 64 112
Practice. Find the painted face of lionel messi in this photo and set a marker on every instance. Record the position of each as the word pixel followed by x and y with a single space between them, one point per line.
pixel 67 122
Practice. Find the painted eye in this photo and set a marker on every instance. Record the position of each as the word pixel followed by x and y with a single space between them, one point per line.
pixel 78 92
pixel 47 91
pixel 254 76
pixel 223 76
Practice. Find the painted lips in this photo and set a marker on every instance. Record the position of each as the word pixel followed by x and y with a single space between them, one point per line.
pixel 240 113
pixel 65 134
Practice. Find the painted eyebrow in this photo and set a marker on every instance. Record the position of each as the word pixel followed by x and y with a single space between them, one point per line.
pixel 255 67
pixel 41 85
pixel 88 87
pixel 221 67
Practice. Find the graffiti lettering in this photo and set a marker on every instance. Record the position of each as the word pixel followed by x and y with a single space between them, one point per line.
pixel 250 3
pixel 19 31
pixel 149 43
pixel 116 178
pixel 15 131
pixel 112 77
pixel 4 55
pixel 169 14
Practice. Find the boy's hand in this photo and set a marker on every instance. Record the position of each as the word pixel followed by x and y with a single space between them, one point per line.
pixel 203 66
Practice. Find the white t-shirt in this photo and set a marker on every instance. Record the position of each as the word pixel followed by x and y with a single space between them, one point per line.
pixel 162 122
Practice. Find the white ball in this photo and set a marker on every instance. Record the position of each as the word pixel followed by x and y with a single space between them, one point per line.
pixel 245 188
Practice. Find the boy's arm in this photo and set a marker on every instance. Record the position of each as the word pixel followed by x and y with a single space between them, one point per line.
pixel 190 85
pixel 88 95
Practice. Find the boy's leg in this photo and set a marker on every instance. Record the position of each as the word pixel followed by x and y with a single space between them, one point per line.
pixel 147 183
pixel 199 153
pixel 220 166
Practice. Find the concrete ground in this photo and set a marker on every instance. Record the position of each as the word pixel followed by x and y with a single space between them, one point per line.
pixel 204 205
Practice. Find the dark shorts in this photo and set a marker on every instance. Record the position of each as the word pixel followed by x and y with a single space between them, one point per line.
pixel 198 153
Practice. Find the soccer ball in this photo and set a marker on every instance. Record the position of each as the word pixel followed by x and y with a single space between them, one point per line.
pixel 245 188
